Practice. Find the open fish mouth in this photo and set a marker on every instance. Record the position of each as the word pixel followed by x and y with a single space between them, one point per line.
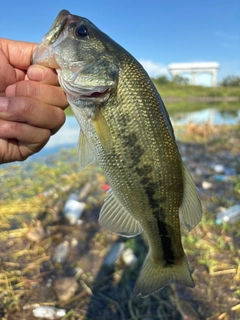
pixel 96 93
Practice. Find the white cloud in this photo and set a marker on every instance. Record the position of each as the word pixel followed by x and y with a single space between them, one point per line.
pixel 154 69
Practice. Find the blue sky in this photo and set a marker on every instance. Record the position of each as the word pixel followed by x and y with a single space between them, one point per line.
pixel 156 32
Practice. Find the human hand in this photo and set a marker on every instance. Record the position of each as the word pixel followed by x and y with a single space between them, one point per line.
pixel 31 102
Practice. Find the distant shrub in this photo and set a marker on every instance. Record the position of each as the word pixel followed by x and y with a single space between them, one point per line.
pixel 231 81
pixel 180 80
pixel 161 80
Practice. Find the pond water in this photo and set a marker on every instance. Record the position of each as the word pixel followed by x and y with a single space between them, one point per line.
pixel 67 136
pixel 211 116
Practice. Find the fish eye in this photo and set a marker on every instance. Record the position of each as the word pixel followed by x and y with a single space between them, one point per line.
pixel 82 31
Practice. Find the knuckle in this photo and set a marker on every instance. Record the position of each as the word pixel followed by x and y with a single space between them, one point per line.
pixel 28 89
pixel 59 119
pixel 16 127
pixel 25 106
pixel 40 143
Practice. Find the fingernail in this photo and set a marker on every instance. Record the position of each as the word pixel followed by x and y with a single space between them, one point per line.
pixel 3 103
pixel 35 73
pixel 11 90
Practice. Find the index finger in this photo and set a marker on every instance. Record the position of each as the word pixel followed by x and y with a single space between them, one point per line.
pixel 19 53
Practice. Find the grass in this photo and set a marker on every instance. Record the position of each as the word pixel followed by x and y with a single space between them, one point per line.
pixel 32 227
pixel 190 98
pixel 172 89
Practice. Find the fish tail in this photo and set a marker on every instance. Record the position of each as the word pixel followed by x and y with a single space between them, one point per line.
pixel 155 275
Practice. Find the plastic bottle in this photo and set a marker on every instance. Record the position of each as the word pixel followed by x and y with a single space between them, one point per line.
pixel 73 210
pixel 48 312
pixel 230 216
pixel 61 252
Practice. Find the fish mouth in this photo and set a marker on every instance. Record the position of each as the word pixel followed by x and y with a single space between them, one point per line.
pixel 42 52
pixel 100 93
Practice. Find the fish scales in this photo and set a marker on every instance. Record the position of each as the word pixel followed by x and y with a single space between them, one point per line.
pixel 146 151
pixel 125 126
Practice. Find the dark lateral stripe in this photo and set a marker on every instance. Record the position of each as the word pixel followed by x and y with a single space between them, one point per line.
pixel 166 240
pixel 168 254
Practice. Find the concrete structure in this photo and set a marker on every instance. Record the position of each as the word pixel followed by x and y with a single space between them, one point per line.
pixel 193 68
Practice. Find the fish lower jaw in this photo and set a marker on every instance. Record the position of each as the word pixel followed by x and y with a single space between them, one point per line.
pixel 99 94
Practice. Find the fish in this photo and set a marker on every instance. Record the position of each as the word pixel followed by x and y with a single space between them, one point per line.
pixel 125 126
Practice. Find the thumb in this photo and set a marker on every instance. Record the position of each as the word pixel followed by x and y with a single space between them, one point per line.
pixel 42 74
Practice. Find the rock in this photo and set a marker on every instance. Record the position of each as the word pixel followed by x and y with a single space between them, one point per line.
pixel 36 234
pixel 65 288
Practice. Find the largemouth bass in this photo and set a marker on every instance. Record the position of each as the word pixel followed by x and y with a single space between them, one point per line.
pixel 125 126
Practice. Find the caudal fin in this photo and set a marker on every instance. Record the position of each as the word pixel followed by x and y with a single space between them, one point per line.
pixel 154 276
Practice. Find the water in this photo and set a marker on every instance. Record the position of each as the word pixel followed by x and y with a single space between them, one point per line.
pixel 67 136
pixel 211 116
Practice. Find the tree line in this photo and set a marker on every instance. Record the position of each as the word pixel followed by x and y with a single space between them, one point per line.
pixel 229 81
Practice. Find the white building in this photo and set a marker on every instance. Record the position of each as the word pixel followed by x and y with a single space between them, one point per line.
pixel 193 68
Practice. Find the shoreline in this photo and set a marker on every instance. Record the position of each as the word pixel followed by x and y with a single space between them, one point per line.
pixel 170 99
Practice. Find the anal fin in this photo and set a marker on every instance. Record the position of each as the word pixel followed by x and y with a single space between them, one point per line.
pixel 117 219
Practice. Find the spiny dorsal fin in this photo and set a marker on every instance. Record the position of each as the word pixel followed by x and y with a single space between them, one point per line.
pixel 117 219
pixel 190 211
pixel 85 151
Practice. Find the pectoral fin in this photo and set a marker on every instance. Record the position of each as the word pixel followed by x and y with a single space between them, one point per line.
pixel 116 218
pixel 85 151
pixel 103 130
pixel 191 210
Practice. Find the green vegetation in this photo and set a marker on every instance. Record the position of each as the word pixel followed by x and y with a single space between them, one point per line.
pixel 231 81
pixel 182 90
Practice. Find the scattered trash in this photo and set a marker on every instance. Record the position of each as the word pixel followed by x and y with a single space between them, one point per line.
pixel 219 168
pixel 85 191
pixel 207 185
pixel 113 253
pixel 65 288
pixel 74 242
pixel 231 215
pixel 61 252
pixel 129 257
pixel 73 196
pixel 221 177
pixel 36 234
pixel 73 210
pixel 106 187
pixel 46 312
